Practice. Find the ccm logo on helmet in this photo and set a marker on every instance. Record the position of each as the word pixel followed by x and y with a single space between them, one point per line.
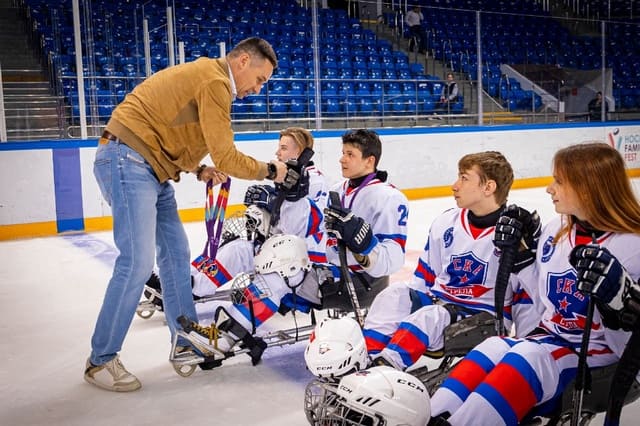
pixel 411 385
pixel 346 389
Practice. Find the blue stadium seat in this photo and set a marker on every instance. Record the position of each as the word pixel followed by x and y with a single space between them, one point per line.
pixel 278 106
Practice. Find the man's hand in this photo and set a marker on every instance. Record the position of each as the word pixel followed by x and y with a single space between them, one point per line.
pixel 206 173
pixel 281 171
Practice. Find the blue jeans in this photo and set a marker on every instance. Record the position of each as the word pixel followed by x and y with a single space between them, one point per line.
pixel 145 222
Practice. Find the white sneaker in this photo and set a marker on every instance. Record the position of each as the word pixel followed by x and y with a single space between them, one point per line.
pixel 111 376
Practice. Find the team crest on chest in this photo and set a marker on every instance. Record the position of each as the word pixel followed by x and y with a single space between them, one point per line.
pixel 468 274
pixel 570 304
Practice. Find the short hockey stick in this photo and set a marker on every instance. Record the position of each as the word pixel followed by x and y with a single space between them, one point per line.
pixel 334 199
pixel 505 266
pixel 581 374
pixel 624 376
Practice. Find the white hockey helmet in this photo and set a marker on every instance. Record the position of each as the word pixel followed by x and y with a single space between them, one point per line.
pixel 382 396
pixel 336 348
pixel 285 254
pixel 257 220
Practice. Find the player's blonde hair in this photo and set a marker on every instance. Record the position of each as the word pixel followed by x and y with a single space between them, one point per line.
pixel 596 172
pixel 302 137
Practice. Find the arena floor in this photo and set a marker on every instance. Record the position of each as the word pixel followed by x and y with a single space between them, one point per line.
pixel 50 293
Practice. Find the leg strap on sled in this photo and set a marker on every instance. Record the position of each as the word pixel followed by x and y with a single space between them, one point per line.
pixel 255 345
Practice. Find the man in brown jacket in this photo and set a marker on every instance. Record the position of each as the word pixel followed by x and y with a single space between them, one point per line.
pixel 166 126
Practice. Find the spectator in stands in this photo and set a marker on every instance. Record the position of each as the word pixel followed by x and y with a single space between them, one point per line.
pixel 595 108
pixel 414 19
pixel 164 127
pixel 449 94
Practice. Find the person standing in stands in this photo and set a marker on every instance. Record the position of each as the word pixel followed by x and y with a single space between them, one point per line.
pixel 414 19
pixel 164 127
pixel 595 108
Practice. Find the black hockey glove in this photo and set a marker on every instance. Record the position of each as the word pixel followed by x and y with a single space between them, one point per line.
pixel 350 229
pixel 296 168
pixel 600 274
pixel 626 318
pixel 296 182
pixel 517 228
pixel 294 172
pixel 262 196
pixel 631 312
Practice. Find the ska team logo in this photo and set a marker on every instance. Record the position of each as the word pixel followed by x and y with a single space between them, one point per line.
pixel 468 275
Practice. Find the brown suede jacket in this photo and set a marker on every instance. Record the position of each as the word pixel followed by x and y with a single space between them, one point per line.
pixel 178 115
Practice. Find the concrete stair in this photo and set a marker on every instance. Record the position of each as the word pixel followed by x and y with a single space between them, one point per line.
pixel 31 110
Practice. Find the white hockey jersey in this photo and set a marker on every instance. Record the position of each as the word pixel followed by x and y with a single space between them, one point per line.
pixel 553 282
pixel 318 186
pixel 386 209
pixel 460 267
pixel 302 218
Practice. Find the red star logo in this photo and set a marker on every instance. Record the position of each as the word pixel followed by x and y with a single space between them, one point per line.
pixel 564 304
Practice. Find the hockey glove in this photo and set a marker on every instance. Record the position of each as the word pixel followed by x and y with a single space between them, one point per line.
pixel 262 196
pixel 294 172
pixel 601 275
pixel 631 312
pixel 627 317
pixel 296 168
pixel 518 228
pixel 350 229
pixel 296 182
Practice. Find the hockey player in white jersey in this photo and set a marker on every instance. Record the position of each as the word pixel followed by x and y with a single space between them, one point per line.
pixel 589 250
pixel 372 223
pixel 456 274
pixel 371 220
pixel 301 218
pixel 299 214
pixel 265 275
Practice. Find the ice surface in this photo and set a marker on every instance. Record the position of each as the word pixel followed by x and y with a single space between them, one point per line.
pixel 50 293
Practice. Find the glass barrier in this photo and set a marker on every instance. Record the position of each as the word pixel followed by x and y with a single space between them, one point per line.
pixel 511 62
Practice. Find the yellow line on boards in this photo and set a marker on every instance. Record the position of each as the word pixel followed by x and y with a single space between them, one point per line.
pixel 105 223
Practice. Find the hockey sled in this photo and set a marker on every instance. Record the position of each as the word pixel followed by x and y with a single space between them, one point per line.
pixel 593 402
pixel 206 339
pixel 212 354
pixel 464 335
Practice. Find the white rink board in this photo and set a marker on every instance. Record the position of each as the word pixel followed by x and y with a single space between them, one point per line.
pixel 414 158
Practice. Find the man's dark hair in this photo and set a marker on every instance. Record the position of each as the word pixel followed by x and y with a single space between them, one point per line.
pixel 256 47
pixel 367 141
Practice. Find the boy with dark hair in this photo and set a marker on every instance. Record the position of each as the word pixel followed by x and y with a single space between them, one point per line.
pixel 371 220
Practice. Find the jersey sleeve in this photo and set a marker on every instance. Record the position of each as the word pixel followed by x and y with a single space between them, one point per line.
pixel 389 225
